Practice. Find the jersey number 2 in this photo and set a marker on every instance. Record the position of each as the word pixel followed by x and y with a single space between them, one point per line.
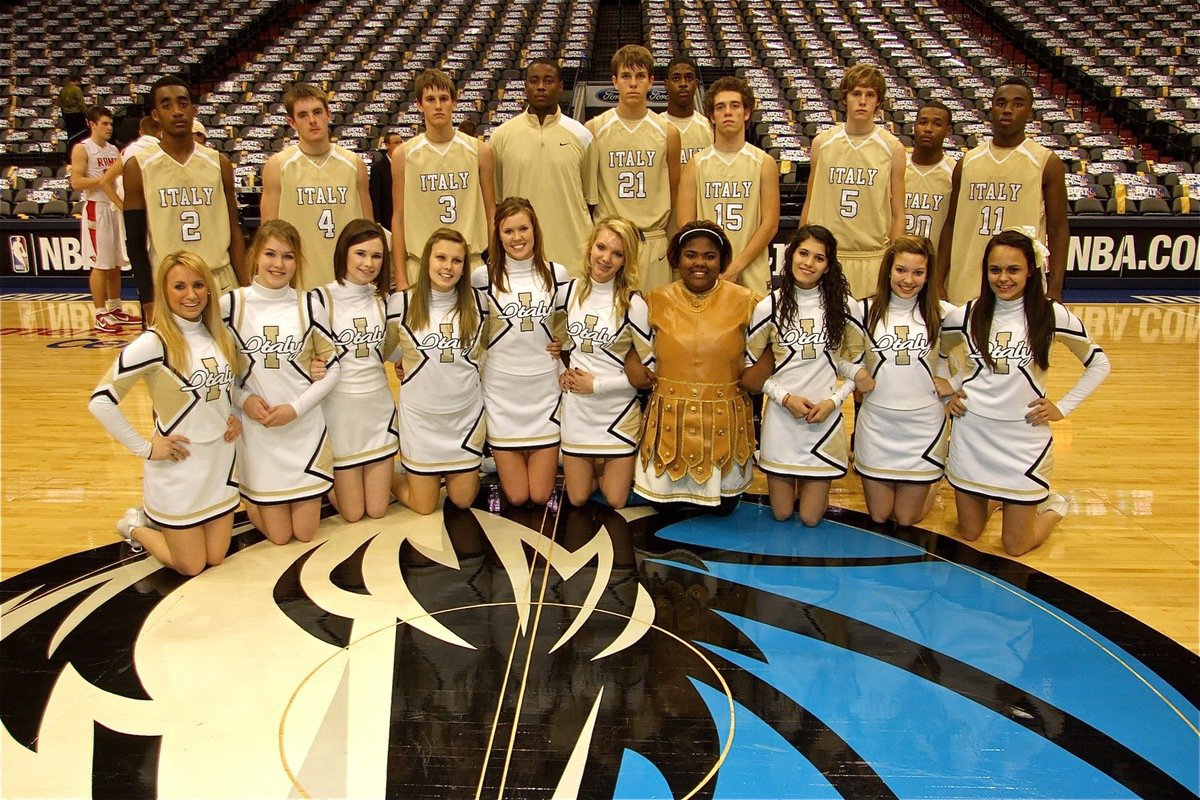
pixel 189 226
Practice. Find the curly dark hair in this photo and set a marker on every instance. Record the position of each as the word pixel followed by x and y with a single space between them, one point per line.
pixel 833 285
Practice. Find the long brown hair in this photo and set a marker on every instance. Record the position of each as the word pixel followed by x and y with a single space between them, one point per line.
pixel 358 231
pixel 832 285
pixel 497 273
pixel 421 295
pixel 1039 309
pixel 927 299
pixel 168 329
pixel 285 232
pixel 626 281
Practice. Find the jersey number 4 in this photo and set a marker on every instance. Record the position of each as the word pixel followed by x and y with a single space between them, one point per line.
pixel 325 223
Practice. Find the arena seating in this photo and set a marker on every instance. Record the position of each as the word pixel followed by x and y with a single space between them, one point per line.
pixel 793 53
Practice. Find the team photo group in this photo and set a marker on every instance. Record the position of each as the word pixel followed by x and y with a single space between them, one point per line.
pixel 597 297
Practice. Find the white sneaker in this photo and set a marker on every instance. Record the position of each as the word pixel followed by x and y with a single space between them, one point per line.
pixel 132 518
pixel 488 466
pixel 1056 503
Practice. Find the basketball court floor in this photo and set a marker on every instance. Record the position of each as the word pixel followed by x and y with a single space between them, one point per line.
pixel 600 653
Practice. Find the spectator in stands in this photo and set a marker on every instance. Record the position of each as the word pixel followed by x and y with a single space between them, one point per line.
pixel 73 108
pixel 316 185
pixel 633 164
pixel 694 131
pixel 736 184
pixel 441 178
pixel 381 180
pixel 199 132
pixel 856 185
pixel 1010 181
pixel 100 225
pixel 180 196
pixel 541 155
pixel 927 176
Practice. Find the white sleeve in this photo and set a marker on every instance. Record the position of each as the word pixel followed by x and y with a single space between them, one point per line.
pixel 773 390
pixel 318 390
pixel 1069 330
pixel 114 421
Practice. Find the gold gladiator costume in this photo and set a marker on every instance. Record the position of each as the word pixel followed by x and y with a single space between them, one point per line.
pixel 699 434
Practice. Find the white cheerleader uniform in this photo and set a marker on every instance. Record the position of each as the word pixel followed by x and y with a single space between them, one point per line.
pixel 804 366
pixel 441 401
pixel 608 422
pixel 275 330
pixel 520 379
pixel 994 452
pixel 901 432
pixel 194 401
pixel 359 412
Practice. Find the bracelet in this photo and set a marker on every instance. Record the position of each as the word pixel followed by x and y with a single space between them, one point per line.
pixel 786 397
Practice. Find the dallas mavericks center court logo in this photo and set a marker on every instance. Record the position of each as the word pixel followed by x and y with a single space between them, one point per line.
pixel 593 653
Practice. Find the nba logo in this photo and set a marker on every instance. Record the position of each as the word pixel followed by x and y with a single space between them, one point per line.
pixel 20 254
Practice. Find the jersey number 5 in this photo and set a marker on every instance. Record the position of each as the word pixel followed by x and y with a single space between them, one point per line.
pixel 849 205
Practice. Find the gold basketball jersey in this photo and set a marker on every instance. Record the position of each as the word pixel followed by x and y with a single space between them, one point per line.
pixel 319 196
pixel 441 190
pixel 728 191
pixel 998 189
pixel 185 206
pixel 695 134
pixel 927 197
pixel 630 176
pixel 852 189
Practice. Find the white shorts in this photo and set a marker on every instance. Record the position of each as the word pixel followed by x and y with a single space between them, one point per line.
pixel 101 237
pixel 1008 460
pixel 362 427
pixel 521 410
pixel 436 443
pixel 287 464
pixel 201 488
pixel 903 445
pixel 791 447
pixel 604 426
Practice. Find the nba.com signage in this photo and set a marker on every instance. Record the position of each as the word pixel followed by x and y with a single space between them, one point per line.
pixel 44 254
pixel 43 249
pixel 1108 252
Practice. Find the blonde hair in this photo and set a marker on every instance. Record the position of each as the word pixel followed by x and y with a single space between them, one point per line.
pixel 866 75
pixel 633 56
pixel 627 279
pixel 464 296
pixel 285 232
pixel 168 329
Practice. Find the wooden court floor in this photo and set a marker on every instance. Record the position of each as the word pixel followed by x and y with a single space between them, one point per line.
pixel 1126 460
